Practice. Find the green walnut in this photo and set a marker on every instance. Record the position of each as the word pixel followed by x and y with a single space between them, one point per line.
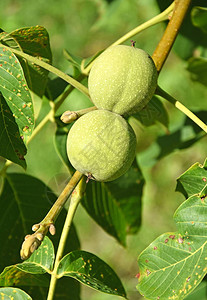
pixel 122 79
pixel 101 144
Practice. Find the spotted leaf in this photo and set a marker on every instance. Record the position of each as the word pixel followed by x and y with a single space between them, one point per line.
pixel 11 145
pixel 33 41
pixel 91 271
pixel 9 293
pixel 175 263
pixel 15 91
pixel 13 276
pixel 193 180
pixel 41 260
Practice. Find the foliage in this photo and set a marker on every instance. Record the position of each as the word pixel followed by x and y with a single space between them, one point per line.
pixel 35 167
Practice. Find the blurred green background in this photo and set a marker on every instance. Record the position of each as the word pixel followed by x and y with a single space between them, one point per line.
pixel 84 27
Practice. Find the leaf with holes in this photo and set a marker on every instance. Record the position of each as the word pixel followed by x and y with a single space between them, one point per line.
pixel 14 89
pixel 13 293
pixel 193 180
pixel 175 263
pixel 35 42
pixel 91 271
pixel 116 205
pixel 11 145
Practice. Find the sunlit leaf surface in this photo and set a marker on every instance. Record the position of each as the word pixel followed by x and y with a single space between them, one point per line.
pixel 13 293
pixel 175 263
pixel 14 89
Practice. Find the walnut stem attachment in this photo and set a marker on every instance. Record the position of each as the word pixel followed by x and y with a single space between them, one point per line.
pixel 70 116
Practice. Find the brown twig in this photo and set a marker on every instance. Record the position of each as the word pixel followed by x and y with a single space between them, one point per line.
pixel 163 48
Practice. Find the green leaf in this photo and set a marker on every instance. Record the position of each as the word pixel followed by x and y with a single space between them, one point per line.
pixel 183 136
pixel 91 271
pixel 41 261
pixel 12 147
pixel 13 276
pixel 55 87
pixel 31 275
pixel 67 288
pixel 44 110
pixel 199 17
pixel 37 285
pixel 13 293
pixel 14 88
pixel 116 205
pixel 24 201
pixel 199 292
pixel 193 181
pixel 35 42
pixel 173 265
pixel 198 68
pixel 87 61
pixel 73 59
pixel 153 112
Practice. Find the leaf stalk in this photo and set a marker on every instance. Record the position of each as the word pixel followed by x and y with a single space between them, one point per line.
pixel 74 202
pixel 181 107
pixel 157 19
pixel 51 69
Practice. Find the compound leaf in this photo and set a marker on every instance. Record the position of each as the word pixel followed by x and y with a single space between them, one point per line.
pixel 175 263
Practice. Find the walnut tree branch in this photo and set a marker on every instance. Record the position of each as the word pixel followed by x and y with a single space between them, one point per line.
pixel 163 48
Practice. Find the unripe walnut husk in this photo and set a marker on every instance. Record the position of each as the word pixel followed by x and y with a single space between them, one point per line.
pixel 101 145
pixel 122 79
